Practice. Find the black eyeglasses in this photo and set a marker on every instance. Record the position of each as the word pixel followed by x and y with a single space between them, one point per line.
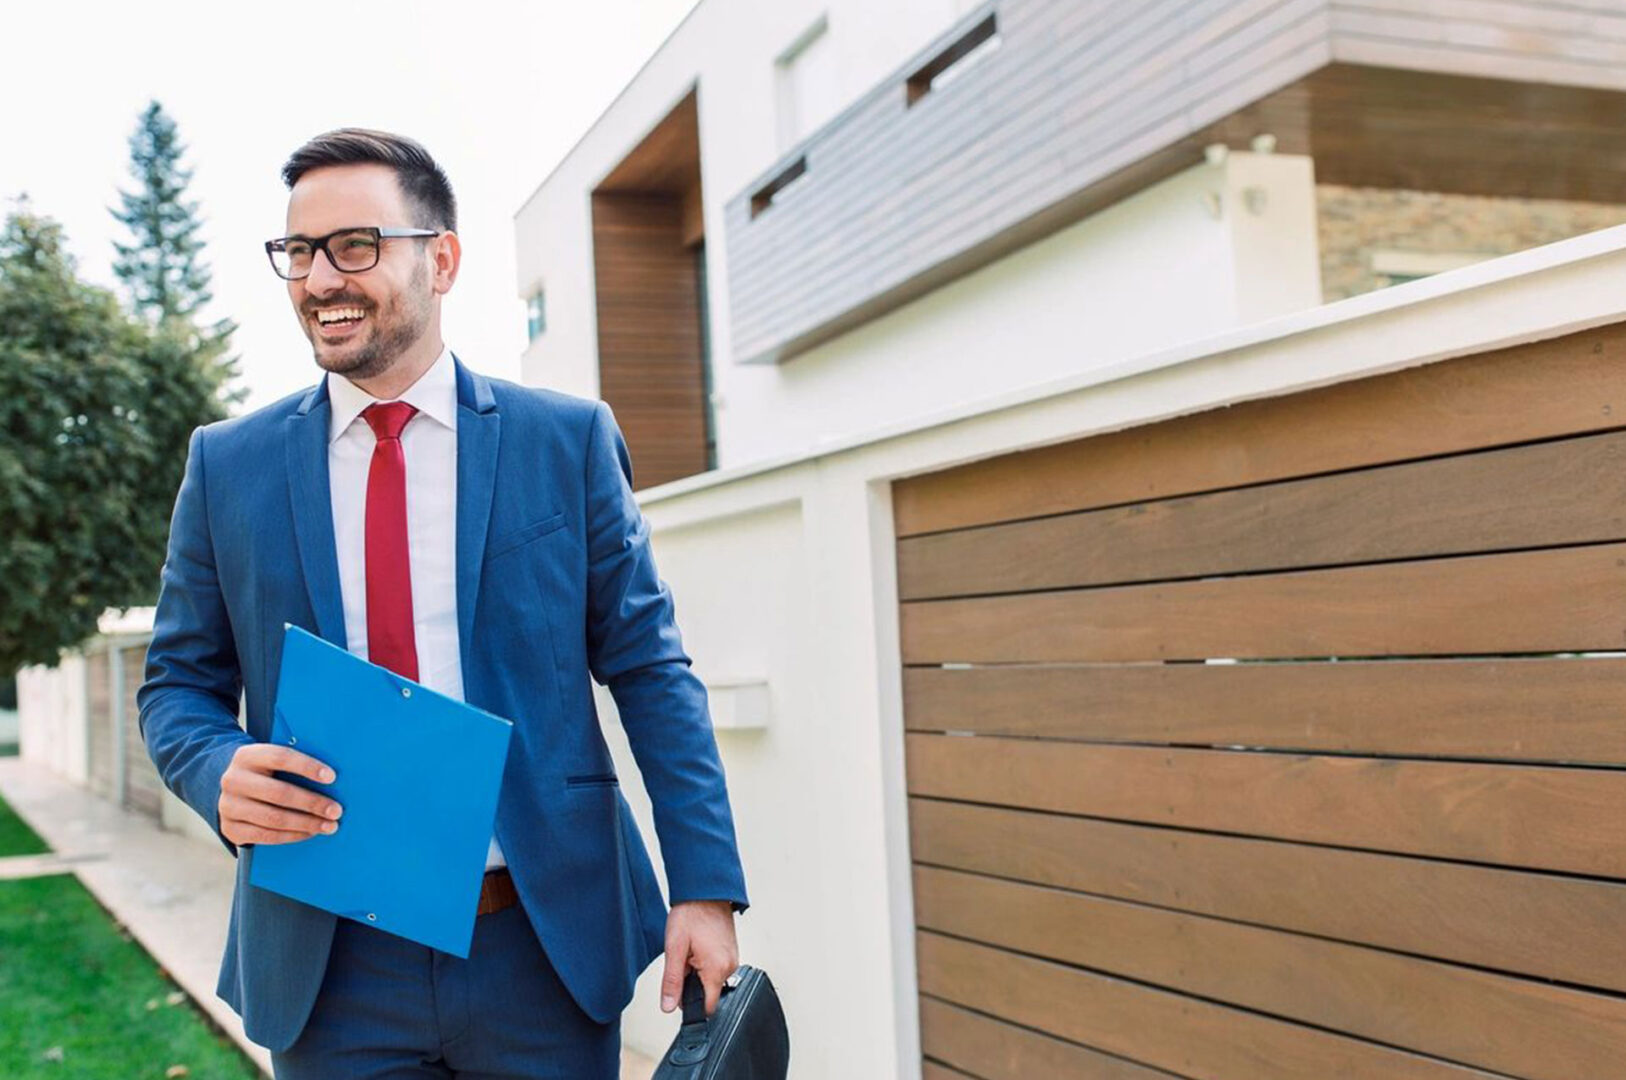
pixel 350 251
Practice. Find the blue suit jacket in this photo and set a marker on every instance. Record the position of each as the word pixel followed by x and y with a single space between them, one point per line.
pixel 555 579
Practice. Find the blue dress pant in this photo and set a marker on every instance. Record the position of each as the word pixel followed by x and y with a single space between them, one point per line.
pixel 392 1009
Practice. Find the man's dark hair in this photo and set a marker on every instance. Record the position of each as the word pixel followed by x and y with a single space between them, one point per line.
pixel 422 181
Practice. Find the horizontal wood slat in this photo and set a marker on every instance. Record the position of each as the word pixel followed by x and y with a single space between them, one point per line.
pixel 1193 1038
pixel 1541 601
pixel 1499 1022
pixel 1563 386
pixel 1548 926
pixel 932 1071
pixel 1568 492
pixel 1531 816
pixel 995 1050
pixel 1566 709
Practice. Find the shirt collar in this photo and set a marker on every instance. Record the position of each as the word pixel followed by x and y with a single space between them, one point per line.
pixel 435 394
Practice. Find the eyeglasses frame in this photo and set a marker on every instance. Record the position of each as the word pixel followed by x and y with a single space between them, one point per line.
pixel 319 244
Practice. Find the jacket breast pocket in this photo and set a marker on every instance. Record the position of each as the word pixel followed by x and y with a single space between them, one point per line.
pixel 526 534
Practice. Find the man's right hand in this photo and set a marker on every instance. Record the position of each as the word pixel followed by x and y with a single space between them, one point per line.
pixel 257 808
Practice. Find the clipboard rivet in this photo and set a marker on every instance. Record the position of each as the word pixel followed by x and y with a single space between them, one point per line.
pixel 406 691
pixel 292 741
pixel 371 917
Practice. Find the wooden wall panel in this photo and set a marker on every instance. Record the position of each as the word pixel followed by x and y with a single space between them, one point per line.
pixel 1568 491
pixel 1544 925
pixel 1182 1034
pixel 988 1048
pixel 1495 1021
pixel 1548 389
pixel 1507 815
pixel 1282 740
pixel 1564 599
pixel 649 343
pixel 1540 709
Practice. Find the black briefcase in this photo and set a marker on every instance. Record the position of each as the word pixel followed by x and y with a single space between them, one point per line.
pixel 745 1039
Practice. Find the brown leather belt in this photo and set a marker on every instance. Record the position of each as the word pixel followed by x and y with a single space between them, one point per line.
pixel 497 891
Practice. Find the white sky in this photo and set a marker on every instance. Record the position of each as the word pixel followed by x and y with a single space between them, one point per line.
pixel 498 92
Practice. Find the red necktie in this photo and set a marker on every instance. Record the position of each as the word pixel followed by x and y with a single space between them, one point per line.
pixel 390 640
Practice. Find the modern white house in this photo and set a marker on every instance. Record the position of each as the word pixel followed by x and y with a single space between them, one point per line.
pixel 1141 641
pixel 804 221
pixel 828 259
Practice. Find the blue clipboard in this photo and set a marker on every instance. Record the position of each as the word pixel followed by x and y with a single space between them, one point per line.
pixel 417 774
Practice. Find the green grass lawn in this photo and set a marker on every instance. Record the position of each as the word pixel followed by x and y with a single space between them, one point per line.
pixel 79 999
pixel 16 838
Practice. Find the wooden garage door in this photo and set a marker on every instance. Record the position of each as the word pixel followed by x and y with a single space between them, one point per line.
pixel 1281 742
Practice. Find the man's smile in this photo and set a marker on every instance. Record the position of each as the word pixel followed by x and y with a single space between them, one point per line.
pixel 337 322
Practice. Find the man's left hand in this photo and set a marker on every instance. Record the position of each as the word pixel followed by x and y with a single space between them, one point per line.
pixel 699 935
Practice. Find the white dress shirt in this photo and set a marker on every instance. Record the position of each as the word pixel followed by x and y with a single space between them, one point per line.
pixel 429 443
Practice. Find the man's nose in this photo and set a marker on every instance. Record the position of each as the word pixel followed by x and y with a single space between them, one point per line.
pixel 323 279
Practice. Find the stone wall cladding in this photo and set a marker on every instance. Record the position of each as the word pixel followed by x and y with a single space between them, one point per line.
pixel 1355 222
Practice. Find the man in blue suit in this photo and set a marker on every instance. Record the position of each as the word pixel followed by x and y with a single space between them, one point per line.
pixel 482 538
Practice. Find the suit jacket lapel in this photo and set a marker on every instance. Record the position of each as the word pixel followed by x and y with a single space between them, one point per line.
pixel 479 427
pixel 306 444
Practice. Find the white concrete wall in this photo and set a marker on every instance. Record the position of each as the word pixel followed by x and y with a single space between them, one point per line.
pixel 785 570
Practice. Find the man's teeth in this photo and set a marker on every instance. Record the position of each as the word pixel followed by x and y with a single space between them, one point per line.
pixel 332 315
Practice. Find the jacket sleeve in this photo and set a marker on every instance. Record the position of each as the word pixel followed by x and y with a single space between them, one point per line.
pixel 188 703
pixel 634 648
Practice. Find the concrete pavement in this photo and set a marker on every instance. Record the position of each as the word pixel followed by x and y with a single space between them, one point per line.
pixel 172 893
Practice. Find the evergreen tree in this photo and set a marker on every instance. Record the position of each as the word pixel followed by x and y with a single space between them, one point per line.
pixel 95 411
pixel 163 270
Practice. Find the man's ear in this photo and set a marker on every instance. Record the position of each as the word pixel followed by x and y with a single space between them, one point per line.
pixel 447 251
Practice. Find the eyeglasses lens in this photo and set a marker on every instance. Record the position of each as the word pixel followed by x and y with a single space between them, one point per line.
pixel 353 251
pixel 348 251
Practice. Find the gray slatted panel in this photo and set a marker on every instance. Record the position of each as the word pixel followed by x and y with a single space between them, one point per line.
pixel 1075 92
pixel 1551 32
pixel 142 787
pixel 99 711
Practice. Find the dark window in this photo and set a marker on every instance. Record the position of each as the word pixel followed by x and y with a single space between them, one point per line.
pixel 979 40
pixel 536 315
pixel 764 196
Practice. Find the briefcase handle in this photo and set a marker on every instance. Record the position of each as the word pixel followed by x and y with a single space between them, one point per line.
pixel 693 1040
pixel 694 996
pixel 694 999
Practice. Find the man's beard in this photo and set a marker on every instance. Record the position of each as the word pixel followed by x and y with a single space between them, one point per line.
pixel 395 330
